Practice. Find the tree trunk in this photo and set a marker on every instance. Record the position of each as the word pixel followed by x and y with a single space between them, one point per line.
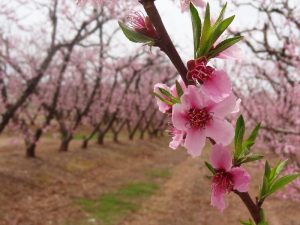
pixel 115 138
pixel 100 139
pixel 64 146
pixel 142 134
pixel 85 144
pixel 30 151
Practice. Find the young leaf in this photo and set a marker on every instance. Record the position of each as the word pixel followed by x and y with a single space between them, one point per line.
pixel 219 29
pixel 168 95
pixel 210 167
pixel 249 222
pixel 238 138
pixel 251 158
pixel 223 46
pixel 251 139
pixel 135 36
pixel 205 32
pixel 264 188
pixel 281 182
pixel 278 169
pixel 267 169
pixel 196 24
pixel 179 89
pixel 162 99
pixel 220 18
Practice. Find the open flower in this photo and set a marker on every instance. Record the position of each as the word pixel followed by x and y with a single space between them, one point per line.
pixel 215 83
pixel 226 178
pixel 185 4
pixel 139 23
pixel 162 106
pixel 200 117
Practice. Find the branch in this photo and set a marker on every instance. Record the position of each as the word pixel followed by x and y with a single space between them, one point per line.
pixel 165 43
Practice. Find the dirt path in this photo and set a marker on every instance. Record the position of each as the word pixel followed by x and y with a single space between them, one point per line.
pixel 185 200
pixel 44 191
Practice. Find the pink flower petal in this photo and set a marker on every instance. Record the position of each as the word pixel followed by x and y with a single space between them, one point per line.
pixel 220 130
pixel 177 139
pixel 194 98
pixel 234 52
pixel 241 179
pixel 220 157
pixel 179 118
pixel 218 87
pixel 194 142
pixel 217 198
pixel 225 107
pixel 199 3
pixel 163 107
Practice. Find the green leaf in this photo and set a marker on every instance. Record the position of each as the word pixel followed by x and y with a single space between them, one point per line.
pixel 220 18
pixel 162 99
pixel 251 139
pixel 219 30
pixel 251 158
pixel 196 24
pixel 238 138
pixel 223 46
pixel 278 169
pixel 179 89
pixel 136 36
pixel 168 95
pixel 249 222
pixel 205 32
pixel 210 167
pixel 281 182
pixel 264 188
pixel 267 169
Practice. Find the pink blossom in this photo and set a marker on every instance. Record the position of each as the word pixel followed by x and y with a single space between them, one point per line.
pixel 163 107
pixel 138 22
pixel 227 178
pixel 200 117
pixel 185 4
pixel 234 52
pixel 215 83
pixel 178 137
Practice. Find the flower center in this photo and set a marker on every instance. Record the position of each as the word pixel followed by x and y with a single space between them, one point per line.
pixel 200 71
pixel 222 180
pixel 198 118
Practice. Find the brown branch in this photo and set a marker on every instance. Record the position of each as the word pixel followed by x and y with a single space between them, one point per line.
pixel 165 43
pixel 251 206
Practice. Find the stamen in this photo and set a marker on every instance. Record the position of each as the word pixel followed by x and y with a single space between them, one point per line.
pixel 223 180
pixel 198 118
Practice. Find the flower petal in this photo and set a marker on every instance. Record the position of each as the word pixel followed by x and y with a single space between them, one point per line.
pixel 220 130
pixel 233 52
pixel 194 142
pixel 225 107
pixel 218 87
pixel 217 198
pixel 241 179
pixel 177 139
pixel 220 157
pixel 194 97
pixel 179 118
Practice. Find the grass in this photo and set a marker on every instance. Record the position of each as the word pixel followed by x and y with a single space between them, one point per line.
pixel 158 173
pixel 111 207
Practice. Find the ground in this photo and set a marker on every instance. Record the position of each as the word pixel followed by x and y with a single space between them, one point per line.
pixel 130 183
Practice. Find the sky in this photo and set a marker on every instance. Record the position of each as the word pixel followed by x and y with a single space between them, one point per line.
pixel 179 26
